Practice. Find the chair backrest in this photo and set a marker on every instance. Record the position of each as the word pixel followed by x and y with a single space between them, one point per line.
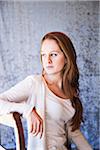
pixel 14 120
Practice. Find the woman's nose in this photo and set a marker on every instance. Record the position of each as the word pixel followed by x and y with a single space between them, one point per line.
pixel 49 59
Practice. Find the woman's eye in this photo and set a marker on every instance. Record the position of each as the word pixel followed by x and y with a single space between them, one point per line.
pixel 54 54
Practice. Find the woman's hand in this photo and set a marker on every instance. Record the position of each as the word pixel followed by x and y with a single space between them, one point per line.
pixel 35 123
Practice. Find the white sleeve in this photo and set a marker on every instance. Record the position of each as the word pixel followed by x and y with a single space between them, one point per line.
pixel 78 138
pixel 8 107
pixel 15 99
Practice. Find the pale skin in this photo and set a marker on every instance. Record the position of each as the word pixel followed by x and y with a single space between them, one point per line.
pixel 53 61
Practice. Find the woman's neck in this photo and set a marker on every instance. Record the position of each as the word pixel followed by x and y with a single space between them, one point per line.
pixel 53 80
pixel 54 83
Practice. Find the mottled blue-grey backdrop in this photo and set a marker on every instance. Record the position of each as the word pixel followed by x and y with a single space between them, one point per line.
pixel 22 25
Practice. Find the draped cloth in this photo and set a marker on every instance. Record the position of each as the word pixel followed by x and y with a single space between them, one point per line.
pixel 39 95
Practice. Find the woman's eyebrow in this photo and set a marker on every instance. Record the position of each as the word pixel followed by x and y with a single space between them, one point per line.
pixel 51 51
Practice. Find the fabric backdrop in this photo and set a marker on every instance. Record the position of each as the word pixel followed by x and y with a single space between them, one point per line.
pixel 22 25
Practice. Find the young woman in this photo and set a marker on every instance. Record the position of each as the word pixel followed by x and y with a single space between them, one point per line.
pixel 50 101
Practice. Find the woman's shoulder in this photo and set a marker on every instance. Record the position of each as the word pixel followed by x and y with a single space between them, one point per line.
pixel 34 77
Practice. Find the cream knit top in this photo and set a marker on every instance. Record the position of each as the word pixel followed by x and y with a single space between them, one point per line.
pixel 33 92
pixel 58 112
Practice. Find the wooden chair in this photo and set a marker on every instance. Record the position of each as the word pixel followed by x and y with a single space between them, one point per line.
pixel 14 120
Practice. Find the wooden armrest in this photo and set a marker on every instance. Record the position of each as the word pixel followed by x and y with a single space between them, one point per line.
pixel 14 120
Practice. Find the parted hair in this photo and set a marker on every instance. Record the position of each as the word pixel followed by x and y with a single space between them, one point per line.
pixel 70 74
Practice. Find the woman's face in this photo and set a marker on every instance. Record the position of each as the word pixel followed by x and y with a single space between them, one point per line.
pixel 53 59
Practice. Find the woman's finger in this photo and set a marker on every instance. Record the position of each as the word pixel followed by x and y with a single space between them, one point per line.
pixel 34 127
pixel 41 130
pixel 38 128
pixel 30 128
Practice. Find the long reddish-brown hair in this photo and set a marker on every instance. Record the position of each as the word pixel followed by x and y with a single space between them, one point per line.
pixel 70 82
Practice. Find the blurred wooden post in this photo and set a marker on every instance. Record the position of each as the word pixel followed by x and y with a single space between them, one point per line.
pixel 14 120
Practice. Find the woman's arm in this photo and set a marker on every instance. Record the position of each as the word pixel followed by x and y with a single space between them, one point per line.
pixel 8 107
pixel 15 99
pixel 20 98
pixel 20 92
pixel 78 138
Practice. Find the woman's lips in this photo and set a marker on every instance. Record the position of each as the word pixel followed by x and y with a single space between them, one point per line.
pixel 49 67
